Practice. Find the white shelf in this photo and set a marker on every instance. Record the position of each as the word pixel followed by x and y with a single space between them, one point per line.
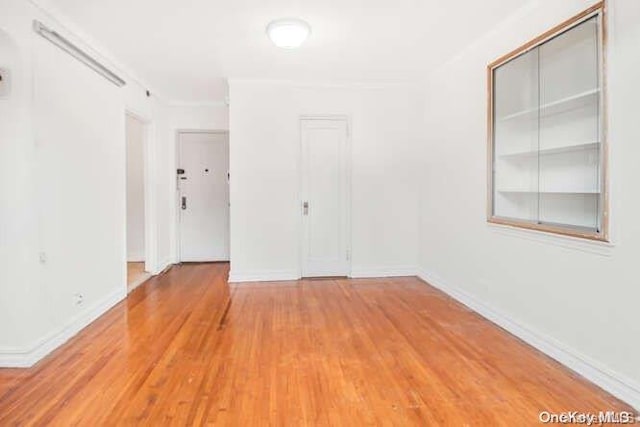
pixel 517 191
pixel 556 150
pixel 555 107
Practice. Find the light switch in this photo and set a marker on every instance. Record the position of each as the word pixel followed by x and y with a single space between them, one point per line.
pixel 4 83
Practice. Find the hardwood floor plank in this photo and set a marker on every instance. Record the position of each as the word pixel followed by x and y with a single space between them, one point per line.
pixel 186 348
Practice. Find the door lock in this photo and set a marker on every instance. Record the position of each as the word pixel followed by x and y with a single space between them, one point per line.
pixel 305 208
pixel 184 203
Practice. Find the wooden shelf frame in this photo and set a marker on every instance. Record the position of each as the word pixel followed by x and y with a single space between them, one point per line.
pixel 597 10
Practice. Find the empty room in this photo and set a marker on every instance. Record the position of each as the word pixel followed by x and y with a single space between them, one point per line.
pixel 319 213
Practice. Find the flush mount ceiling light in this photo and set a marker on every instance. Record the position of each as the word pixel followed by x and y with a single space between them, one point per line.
pixel 288 33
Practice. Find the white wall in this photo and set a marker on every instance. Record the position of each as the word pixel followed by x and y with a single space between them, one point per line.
pixel 18 232
pixel 199 117
pixel 63 187
pixel 264 147
pixel 576 300
pixel 80 171
pixel 135 135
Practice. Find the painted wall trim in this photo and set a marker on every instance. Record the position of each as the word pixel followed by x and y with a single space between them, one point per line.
pixel 136 257
pixel 206 131
pixel 28 356
pixel 616 384
pixel 389 271
pixel 323 84
pixel 263 276
pixel 359 272
pixel 596 247
pixel 139 282
pixel 149 144
pixel 212 103
pixel 163 265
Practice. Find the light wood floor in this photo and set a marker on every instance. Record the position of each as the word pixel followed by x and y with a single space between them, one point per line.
pixel 136 275
pixel 313 352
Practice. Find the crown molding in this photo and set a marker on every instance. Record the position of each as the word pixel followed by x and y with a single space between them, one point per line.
pixel 197 104
pixel 404 84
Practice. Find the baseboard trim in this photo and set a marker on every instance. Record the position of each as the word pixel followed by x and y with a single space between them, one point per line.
pixel 263 276
pixel 390 271
pixel 163 266
pixel 623 388
pixel 29 356
pixel 135 258
pixel 142 279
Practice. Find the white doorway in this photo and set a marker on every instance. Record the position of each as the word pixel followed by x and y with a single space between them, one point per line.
pixel 203 196
pixel 137 263
pixel 325 196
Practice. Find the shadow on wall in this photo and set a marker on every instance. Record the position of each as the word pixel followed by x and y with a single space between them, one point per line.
pixel 8 63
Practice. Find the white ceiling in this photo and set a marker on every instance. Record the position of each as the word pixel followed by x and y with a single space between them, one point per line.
pixel 188 48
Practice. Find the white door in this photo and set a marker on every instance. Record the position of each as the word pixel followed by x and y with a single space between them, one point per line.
pixel 325 197
pixel 203 196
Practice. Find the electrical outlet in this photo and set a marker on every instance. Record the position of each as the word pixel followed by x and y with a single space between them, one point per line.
pixel 78 298
pixel 42 257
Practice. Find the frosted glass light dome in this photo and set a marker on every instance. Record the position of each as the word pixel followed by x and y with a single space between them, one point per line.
pixel 288 33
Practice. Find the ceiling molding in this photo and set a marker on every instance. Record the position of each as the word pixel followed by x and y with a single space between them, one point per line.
pixel 197 104
pixel 329 84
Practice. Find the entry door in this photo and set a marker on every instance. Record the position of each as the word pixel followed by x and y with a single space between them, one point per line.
pixel 203 196
pixel 325 198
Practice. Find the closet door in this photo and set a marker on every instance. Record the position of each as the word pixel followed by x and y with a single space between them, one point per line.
pixel 325 197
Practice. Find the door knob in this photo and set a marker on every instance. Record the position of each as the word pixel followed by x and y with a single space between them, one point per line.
pixel 305 208
pixel 184 203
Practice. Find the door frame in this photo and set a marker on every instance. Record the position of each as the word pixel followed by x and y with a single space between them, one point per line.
pixel 348 152
pixel 150 220
pixel 176 189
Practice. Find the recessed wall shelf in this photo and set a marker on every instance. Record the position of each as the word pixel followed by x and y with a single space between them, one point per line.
pixel 550 191
pixel 566 104
pixel 555 150
pixel 547 146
